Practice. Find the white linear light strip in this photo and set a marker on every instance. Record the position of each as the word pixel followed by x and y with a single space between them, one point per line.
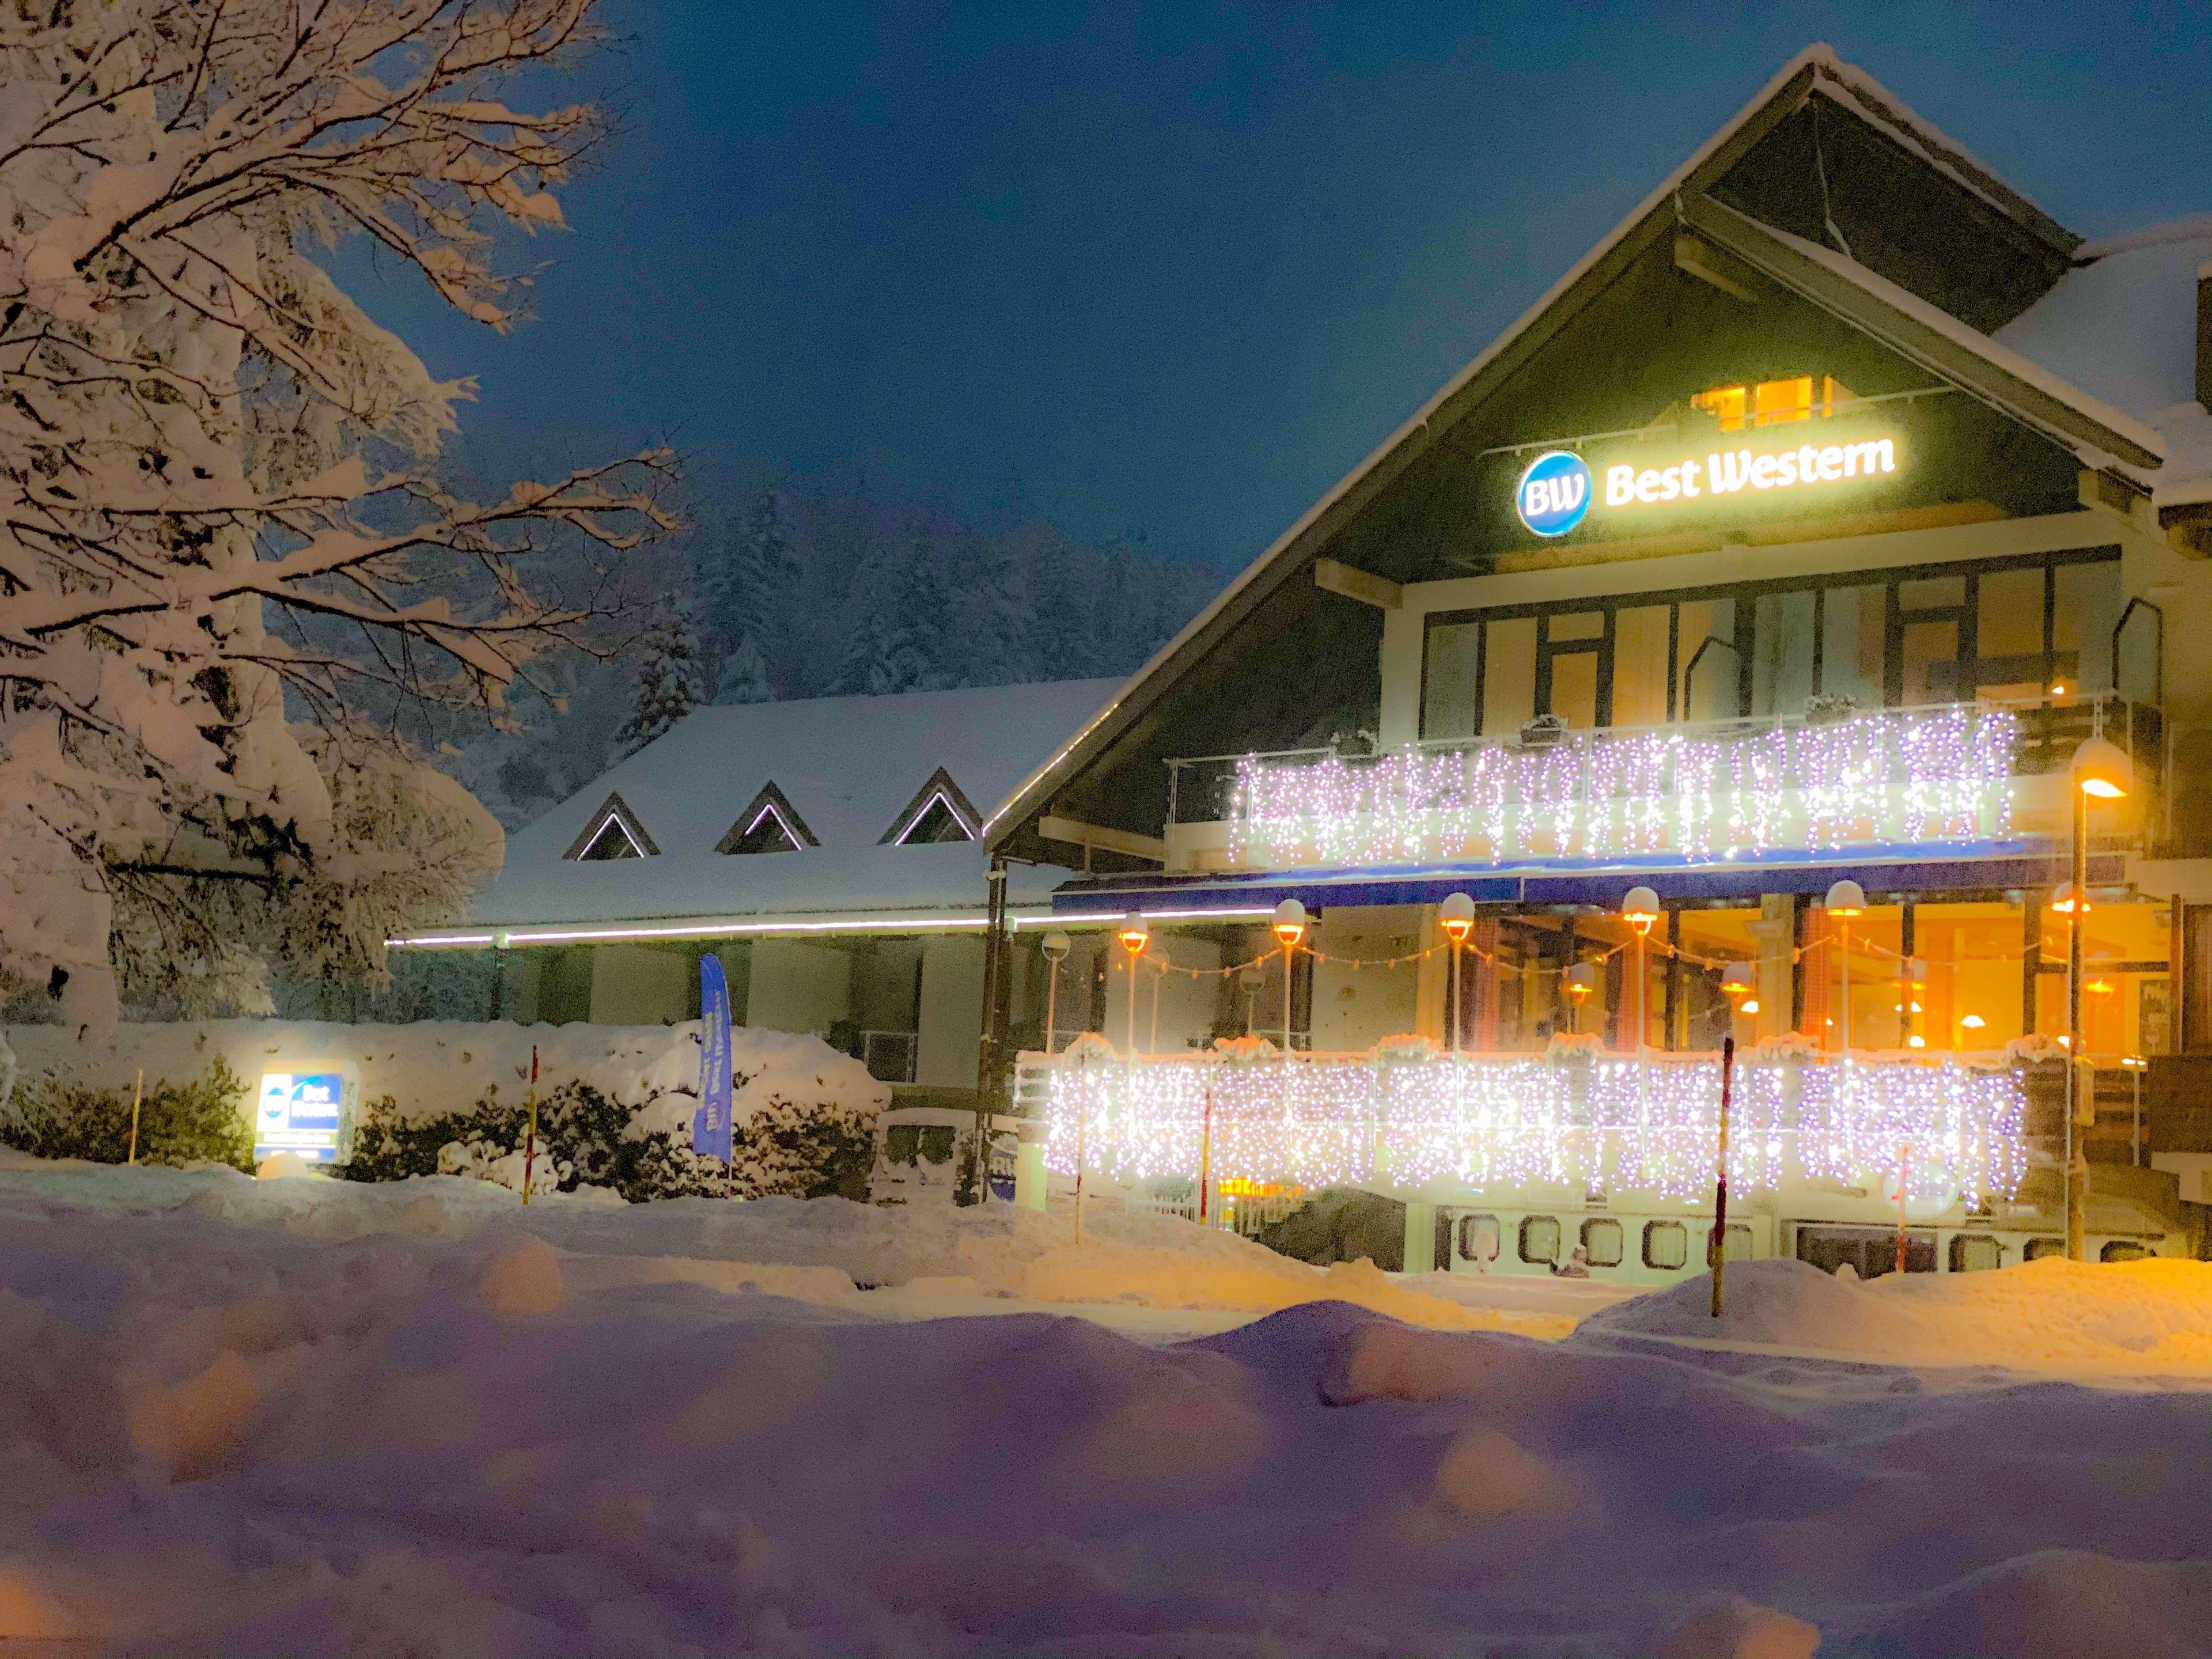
pixel 829 925
pixel 768 811
pixel 615 818
pixel 922 812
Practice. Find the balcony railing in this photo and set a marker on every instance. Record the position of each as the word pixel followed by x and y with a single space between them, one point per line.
pixel 1694 791
pixel 1407 1115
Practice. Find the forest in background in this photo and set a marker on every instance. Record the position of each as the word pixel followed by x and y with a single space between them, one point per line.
pixel 832 585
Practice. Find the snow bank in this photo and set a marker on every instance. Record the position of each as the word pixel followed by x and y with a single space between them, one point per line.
pixel 235 1420
pixel 436 1066
pixel 2152 1315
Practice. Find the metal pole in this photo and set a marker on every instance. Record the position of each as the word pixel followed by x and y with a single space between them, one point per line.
pixel 1843 949
pixel 2077 1167
pixel 1159 978
pixel 2134 1126
pixel 989 1045
pixel 1717 1249
pixel 1455 999
pixel 1051 1005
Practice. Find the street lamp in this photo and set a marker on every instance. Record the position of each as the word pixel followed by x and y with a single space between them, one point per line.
pixel 1055 947
pixel 1131 936
pixel 1290 926
pixel 2101 771
pixel 1845 899
pixel 1736 986
pixel 1578 982
pixel 1456 915
pixel 1640 910
pixel 1251 979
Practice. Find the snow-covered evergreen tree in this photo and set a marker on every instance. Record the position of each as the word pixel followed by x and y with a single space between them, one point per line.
pixel 217 546
pixel 670 677
pixel 749 578
pixel 743 677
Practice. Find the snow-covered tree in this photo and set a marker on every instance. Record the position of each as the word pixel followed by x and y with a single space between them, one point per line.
pixel 743 676
pixel 749 580
pixel 668 678
pixel 219 545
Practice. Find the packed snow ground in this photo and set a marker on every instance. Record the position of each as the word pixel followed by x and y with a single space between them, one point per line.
pixel 294 1418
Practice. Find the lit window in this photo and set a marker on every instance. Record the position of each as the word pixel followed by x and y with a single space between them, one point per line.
pixel 1736 1243
pixel 2123 1250
pixel 1539 1238
pixel 1725 405
pixel 2040 1248
pixel 1666 1244
pixel 1773 402
pixel 1601 1242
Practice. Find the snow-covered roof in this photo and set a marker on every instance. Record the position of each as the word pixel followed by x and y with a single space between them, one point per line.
pixel 2122 325
pixel 853 769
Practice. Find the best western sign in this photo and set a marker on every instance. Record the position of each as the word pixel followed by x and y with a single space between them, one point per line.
pixel 1557 492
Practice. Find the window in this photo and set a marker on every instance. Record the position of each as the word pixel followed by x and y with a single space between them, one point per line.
pixel 930 1143
pixel 2040 1248
pixel 1666 1244
pixel 1601 1242
pixel 612 832
pixel 1975 1252
pixel 2005 627
pixel 1735 1243
pixel 938 814
pixel 1478 1238
pixel 769 825
pixel 2123 1250
pixel 1539 1238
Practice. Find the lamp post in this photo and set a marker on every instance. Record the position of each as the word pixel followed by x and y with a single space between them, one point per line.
pixel 2136 1064
pixel 1456 915
pixel 1055 947
pixel 2101 771
pixel 1251 979
pixel 1131 936
pixel 1290 926
pixel 1577 982
pixel 1640 910
pixel 1845 899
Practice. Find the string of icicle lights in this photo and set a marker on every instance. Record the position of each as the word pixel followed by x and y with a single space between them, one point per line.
pixel 1895 776
pixel 1506 1120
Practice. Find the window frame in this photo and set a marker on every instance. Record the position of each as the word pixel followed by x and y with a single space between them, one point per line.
pixel 1559 1235
pixel 1651 1232
pixel 1460 1235
pixel 1619 1240
pixel 1743 645
pixel 1953 1252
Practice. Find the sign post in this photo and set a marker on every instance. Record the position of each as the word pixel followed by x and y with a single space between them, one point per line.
pixel 710 1124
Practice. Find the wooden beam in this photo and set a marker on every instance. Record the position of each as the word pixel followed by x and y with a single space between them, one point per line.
pixel 1333 576
pixel 1098 836
pixel 2188 529
pixel 1710 265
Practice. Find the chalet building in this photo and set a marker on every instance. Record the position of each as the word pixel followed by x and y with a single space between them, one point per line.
pixel 1779 562
pixel 828 851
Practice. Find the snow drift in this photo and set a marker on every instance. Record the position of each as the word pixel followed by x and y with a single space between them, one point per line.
pixel 229 1432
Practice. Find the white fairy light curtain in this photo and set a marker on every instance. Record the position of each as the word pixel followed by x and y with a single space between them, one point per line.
pixel 1895 776
pixel 1407 1115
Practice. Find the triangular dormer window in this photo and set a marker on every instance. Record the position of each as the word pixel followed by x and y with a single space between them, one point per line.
pixel 612 832
pixel 939 813
pixel 770 824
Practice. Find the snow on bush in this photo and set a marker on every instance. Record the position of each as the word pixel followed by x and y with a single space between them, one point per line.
pixel 615 1103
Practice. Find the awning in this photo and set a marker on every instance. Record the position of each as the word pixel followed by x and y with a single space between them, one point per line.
pixel 1973 866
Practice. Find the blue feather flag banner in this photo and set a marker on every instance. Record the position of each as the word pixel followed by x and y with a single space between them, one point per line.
pixel 710 1124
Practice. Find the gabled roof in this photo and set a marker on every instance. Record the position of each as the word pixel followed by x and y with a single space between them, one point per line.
pixel 1943 344
pixel 940 788
pixel 844 767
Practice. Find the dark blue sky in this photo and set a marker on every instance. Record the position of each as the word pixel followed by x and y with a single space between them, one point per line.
pixel 1168 271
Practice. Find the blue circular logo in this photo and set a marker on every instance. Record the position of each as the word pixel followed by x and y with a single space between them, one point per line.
pixel 1553 494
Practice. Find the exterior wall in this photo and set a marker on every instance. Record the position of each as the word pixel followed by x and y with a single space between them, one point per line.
pixel 639 985
pixel 951 1012
pixel 798 986
pixel 1187 1005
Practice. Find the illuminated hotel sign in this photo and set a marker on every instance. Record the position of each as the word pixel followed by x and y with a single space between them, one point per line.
pixel 1556 493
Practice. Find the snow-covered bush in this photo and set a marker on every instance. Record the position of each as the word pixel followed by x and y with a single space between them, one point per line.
pixel 790 1138
pixel 203 1120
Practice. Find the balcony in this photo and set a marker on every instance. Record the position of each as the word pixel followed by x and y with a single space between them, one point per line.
pixel 1959 774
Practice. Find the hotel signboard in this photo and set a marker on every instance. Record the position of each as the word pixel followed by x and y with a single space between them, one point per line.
pixel 1560 490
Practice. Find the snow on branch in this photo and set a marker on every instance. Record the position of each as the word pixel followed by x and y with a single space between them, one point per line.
pixel 215 468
